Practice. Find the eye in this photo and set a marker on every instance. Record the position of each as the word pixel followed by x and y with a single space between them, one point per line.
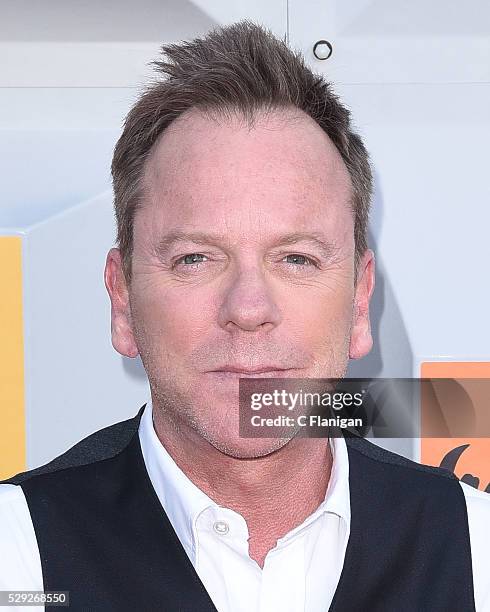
pixel 302 260
pixel 191 258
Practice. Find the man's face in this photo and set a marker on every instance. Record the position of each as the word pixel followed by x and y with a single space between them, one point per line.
pixel 243 259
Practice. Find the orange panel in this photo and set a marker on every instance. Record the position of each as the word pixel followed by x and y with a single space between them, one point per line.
pixel 467 457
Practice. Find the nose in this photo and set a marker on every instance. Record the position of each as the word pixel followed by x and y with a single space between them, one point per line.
pixel 248 303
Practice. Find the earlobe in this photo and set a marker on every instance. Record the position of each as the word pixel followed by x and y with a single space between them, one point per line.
pixel 361 340
pixel 121 325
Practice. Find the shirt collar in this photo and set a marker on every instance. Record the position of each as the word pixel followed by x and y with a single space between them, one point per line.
pixel 337 497
pixel 183 501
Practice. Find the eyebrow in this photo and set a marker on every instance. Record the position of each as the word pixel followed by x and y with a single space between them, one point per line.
pixel 314 238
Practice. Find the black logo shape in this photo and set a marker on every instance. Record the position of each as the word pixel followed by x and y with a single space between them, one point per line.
pixel 450 460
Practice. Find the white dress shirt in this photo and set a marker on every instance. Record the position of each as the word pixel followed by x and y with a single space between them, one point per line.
pixel 300 573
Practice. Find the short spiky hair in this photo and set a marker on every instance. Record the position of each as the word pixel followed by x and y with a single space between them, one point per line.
pixel 240 68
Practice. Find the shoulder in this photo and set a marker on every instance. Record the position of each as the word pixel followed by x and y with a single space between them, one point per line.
pixel 20 564
pixel 12 500
pixel 478 508
pixel 388 462
pixel 102 444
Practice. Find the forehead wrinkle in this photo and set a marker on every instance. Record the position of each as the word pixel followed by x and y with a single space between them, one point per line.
pixel 317 239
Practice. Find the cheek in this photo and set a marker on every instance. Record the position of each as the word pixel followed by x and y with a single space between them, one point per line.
pixel 319 315
pixel 327 334
pixel 171 322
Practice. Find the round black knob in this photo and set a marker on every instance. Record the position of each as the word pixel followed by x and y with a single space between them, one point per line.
pixel 322 49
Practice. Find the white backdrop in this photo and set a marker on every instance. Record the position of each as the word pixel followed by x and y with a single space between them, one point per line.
pixel 417 82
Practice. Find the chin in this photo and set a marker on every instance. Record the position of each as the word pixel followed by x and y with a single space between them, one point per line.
pixel 231 444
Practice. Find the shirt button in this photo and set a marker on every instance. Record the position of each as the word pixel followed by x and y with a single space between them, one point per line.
pixel 221 527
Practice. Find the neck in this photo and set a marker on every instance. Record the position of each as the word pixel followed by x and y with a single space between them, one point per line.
pixel 274 493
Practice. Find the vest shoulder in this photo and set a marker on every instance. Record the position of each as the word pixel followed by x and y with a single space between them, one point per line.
pixel 98 446
pixel 365 448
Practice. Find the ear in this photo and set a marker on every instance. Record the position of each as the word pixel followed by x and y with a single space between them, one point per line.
pixel 121 326
pixel 361 340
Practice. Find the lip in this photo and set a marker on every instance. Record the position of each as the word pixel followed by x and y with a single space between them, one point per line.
pixel 250 372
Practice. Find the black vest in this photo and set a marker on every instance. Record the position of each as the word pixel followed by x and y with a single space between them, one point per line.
pixel 104 536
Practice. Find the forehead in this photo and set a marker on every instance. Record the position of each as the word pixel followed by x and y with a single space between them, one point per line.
pixel 282 170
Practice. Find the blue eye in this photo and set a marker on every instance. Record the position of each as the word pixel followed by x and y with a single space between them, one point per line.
pixel 191 258
pixel 299 259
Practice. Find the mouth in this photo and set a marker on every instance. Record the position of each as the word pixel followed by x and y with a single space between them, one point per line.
pixel 263 372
